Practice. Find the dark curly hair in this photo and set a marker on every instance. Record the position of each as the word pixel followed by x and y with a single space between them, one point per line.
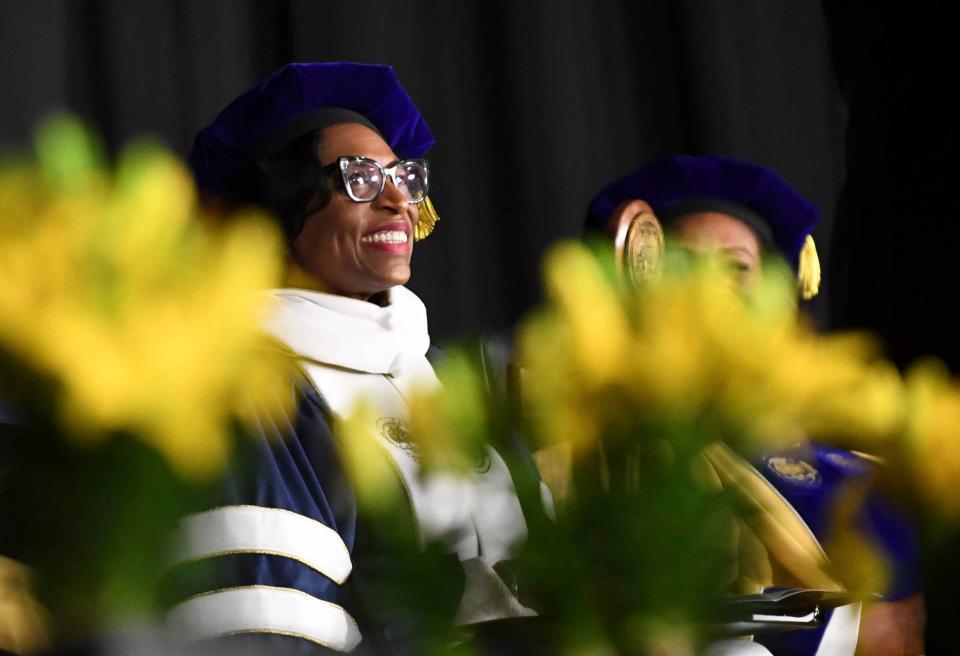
pixel 289 183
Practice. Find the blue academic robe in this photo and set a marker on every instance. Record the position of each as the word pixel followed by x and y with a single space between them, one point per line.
pixel 401 596
pixel 812 480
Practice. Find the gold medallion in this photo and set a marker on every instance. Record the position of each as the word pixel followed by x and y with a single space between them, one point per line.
pixel 643 249
pixel 638 242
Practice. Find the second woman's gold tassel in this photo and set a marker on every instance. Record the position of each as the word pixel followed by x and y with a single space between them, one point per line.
pixel 808 270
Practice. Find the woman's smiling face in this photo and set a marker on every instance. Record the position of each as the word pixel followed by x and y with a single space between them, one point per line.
pixel 357 249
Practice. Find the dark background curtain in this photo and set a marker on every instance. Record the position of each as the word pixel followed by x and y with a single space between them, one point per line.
pixel 535 104
pixel 894 264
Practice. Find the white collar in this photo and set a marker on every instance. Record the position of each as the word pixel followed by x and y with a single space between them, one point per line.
pixel 346 332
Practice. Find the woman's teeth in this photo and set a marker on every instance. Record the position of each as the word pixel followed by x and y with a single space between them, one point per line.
pixel 386 237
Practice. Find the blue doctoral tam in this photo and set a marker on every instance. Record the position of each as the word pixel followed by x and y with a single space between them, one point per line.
pixel 685 184
pixel 299 98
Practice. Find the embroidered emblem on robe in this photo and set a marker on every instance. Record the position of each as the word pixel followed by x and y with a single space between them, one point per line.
pixel 794 470
pixel 398 432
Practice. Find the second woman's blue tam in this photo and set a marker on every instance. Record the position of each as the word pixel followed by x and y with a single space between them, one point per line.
pixel 289 103
pixel 670 183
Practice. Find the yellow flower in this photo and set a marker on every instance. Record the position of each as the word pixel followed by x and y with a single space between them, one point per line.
pixel 450 424
pixel 672 359
pixel 143 319
pixel 24 623
pixel 592 312
pixel 933 435
pixel 366 461
pixel 553 397
pixel 688 347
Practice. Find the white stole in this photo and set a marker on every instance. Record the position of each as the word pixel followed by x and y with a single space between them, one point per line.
pixel 353 350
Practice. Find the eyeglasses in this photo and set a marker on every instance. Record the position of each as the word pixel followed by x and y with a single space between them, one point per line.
pixel 364 179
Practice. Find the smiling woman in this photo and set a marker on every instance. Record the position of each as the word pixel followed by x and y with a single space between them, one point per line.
pixel 334 152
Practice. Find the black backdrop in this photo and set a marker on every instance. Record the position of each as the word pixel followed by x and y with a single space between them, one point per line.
pixel 535 104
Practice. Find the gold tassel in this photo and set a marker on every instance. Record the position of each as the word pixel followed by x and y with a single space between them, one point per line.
pixel 428 219
pixel 808 271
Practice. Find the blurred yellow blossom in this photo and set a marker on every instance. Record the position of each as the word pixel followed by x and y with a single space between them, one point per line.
pixel 139 317
pixel 624 392
pixel 451 422
pixel 686 346
pixel 572 275
pixel 933 435
pixel 24 623
pixel 367 464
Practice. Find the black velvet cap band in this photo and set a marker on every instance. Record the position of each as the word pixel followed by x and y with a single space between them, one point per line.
pixel 753 220
pixel 315 120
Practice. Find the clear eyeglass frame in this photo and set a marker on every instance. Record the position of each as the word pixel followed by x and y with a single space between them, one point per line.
pixel 350 165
